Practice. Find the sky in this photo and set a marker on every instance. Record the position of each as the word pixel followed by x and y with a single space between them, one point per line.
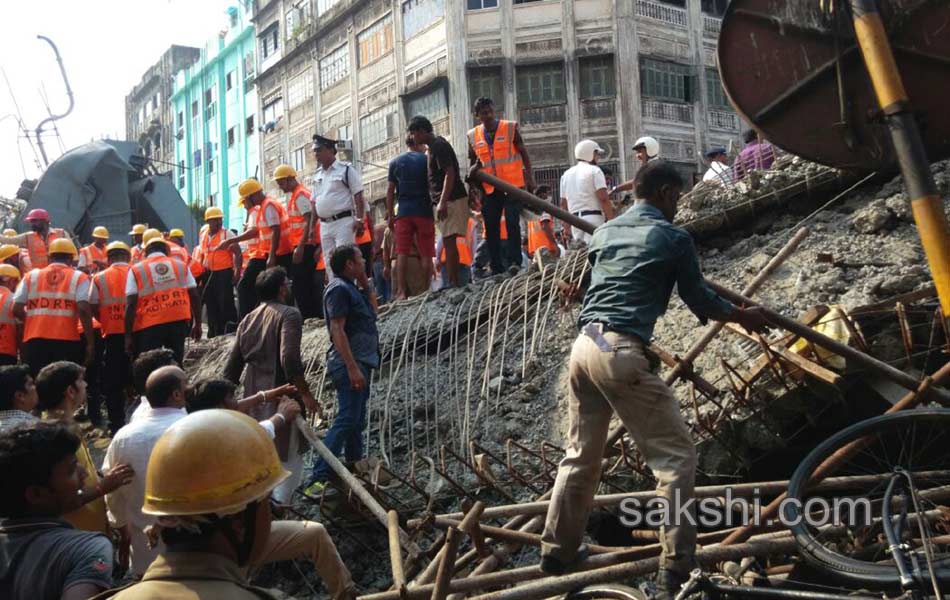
pixel 106 47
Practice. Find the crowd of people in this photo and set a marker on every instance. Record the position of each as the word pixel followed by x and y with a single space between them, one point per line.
pixel 182 501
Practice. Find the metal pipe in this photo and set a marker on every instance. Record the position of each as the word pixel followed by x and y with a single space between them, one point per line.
pixel 925 200
pixel 395 553
pixel 52 117
pixel 441 587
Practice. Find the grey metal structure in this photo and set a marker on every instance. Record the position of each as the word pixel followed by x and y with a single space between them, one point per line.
pixel 104 183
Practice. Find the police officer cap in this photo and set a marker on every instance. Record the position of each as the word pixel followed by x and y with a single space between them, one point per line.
pixel 322 142
pixel 716 151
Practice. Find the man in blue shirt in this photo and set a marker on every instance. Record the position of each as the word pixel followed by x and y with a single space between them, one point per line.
pixel 349 305
pixel 635 261
pixel 411 219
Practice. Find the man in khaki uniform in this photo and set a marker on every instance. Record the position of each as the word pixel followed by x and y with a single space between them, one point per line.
pixel 635 261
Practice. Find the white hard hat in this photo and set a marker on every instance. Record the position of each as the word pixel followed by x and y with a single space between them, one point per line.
pixel 649 144
pixel 586 149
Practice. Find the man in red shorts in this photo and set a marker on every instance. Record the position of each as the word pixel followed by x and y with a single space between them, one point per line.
pixel 411 217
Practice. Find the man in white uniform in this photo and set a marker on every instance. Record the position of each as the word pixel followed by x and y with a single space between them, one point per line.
pixel 584 191
pixel 338 198
pixel 719 171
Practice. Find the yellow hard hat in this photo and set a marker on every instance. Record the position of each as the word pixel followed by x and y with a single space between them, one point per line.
pixel 8 250
pixel 154 240
pixel 62 246
pixel 176 233
pixel 118 246
pixel 100 233
pixel 138 229
pixel 284 171
pixel 9 232
pixel 241 201
pixel 213 212
pixel 9 271
pixel 149 234
pixel 249 186
pixel 212 461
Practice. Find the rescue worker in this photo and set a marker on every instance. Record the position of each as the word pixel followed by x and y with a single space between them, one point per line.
pixel 223 271
pixel 161 302
pixel 466 251
pixel 301 218
pixel 646 148
pixel 541 235
pixel 584 191
pixel 364 240
pixel 636 259
pixel 92 258
pixel 52 302
pixel 10 331
pixel 719 172
pixel 269 226
pixel 246 292
pixel 177 248
pixel 498 146
pixel 337 197
pixel 138 231
pixel 10 255
pixel 36 241
pixel 213 514
pixel 107 299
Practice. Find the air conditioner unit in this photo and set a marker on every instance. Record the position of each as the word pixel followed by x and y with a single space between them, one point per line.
pixel 344 145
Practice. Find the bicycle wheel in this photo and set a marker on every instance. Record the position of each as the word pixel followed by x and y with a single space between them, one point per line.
pixel 869 452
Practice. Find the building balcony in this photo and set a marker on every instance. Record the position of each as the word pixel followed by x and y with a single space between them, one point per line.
pixel 543 115
pixel 667 111
pixel 599 108
pixel 723 119
pixel 662 13
pixel 711 26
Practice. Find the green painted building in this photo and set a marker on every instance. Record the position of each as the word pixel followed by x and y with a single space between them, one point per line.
pixel 214 103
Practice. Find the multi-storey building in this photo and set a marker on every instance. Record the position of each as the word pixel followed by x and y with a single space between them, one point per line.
pixel 611 70
pixel 215 110
pixel 148 114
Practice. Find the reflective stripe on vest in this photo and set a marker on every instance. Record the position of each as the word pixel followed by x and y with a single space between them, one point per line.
pixel 8 342
pixel 367 236
pixel 110 284
pixel 264 233
pixel 297 221
pixel 39 258
pixel 163 297
pixel 500 157
pixel 537 238
pixel 51 311
pixel 215 260
pixel 137 253
pixel 179 253
pixel 96 259
pixel 503 229
pixel 463 245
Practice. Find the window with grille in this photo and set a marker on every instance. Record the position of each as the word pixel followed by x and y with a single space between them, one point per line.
pixel 485 82
pixel 334 66
pixel 325 5
pixel 229 81
pixel 249 70
pixel 539 85
pixel 269 41
pixel 249 126
pixel 299 90
pixel 417 15
pixel 298 158
pixel 181 174
pixel 715 95
pixel 432 105
pixel 477 4
pixel 714 7
pixel 375 41
pixel 378 127
pixel 667 81
pixel 230 137
pixel 597 77
pixel 272 111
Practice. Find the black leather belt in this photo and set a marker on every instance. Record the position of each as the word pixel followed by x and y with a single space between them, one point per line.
pixel 338 216
pixel 588 213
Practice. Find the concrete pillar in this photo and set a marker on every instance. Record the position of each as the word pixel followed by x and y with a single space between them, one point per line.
pixel 508 51
pixel 354 86
pixel 700 108
pixel 460 105
pixel 571 79
pixel 399 55
pixel 627 70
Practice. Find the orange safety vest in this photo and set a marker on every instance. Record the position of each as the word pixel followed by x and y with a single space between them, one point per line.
pixel 196 266
pixel 462 243
pixel 36 249
pixel 501 224
pixel 537 238
pixel 321 265
pixel 96 259
pixel 138 253
pixel 215 260
pixel 264 233
pixel 163 297
pixel 297 221
pixel 8 341
pixel 51 310
pixel 367 236
pixel 500 157
pixel 110 284
pixel 178 252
